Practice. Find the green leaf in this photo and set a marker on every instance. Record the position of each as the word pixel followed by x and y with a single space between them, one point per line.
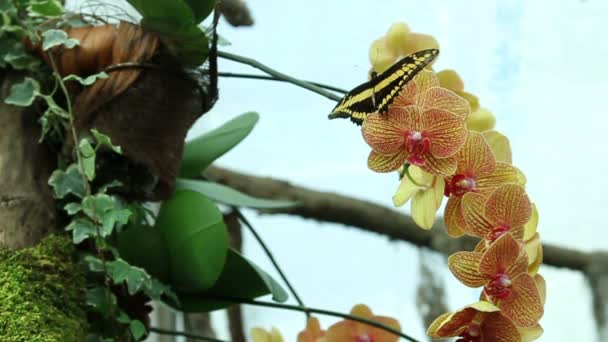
pixel 201 8
pixel 196 237
pixel 189 44
pixel 240 279
pixel 145 247
pixel 202 151
pixel 52 38
pixel 23 94
pixel 230 196
pixel 138 330
pixel 135 277
pixel 46 8
pixel 72 208
pixel 172 13
pixel 82 229
pixel 67 182
pixel 88 80
pixel 104 140
pixel 88 158
pixel 105 209
pixel 102 300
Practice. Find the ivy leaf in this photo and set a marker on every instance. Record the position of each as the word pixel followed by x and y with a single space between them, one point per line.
pixel 105 140
pixel 137 328
pixel 105 209
pixel 102 300
pixel 88 80
pixel 202 151
pixel 135 277
pixel 46 8
pixel 67 182
pixel 82 229
pixel 52 38
pixel 93 263
pixel 230 196
pixel 113 217
pixel 72 208
pixel 88 158
pixel 23 94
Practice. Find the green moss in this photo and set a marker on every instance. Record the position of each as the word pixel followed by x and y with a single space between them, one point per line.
pixel 42 294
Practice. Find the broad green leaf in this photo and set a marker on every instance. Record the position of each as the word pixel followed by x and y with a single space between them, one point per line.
pixel 110 219
pixel 88 80
pixel 202 151
pixel 23 94
pixel 201 8
pixel 144 246
pixel 240 279
pixel 67 182
pixel 102 300
pixel 105 209
pixel 46 8
pixel 52 38
pixel 104 140
pixel 138 330
pixel 72 208
pixel 135 277
pixel 196 237
pixel 88 158
pixel 188 44
pixel 82 229
pixel 230 196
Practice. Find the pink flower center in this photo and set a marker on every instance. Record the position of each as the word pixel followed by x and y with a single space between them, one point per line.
pixel 364 338
pixel 459 185
pixel 499 287
pixel 417 144
pixel 472 334
pixel 497 232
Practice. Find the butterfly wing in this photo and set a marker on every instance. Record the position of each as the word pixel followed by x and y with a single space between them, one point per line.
pixel 377 94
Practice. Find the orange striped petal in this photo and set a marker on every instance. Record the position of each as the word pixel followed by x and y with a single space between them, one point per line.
pixel 445 99
pixel 452 222
pixel 509 205
pixel 439 167
pixel 496 327
pixel 532 224
pixel 504 254
pixel 465 267
pixel 405 118
pixel 381 135
pixel 452 324
pixel 476 157
pixel 477 224
pixel 381 163
pixel 348 330
pixel 425 80
pixel 503 174
pixel 446 131
pixel 523 306
pixel 407 95
pixel 531 333
pixel 500 146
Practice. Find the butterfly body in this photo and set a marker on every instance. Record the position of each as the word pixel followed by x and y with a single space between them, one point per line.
pixel 378 93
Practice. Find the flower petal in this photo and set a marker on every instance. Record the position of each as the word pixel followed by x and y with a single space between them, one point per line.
pixel 396 37
pixel 381 163
pixel 446 131
pixel 419 42
pixel 404 192
pixel 477 224
pixel 465 267
pixel 425 80
pixel 420 176
pixel 439 167
pixel 476 157
pixel 424 208
pixel 408 118
pixel 381 55
pixel 541 285
pixel 445 99
pixel 480 119
pixel 504 255
pixel 534 249
pixel 509 205
pixel 523 306
pixel 452 324
pixel 499 144
pixel 503 174
pixel 450 79
pixel 496 327
pixel 348 330
pixel 530 334
pixel 530 226
pixel 312 332
pixel 407 95
pixel 450 216
pixel 381 135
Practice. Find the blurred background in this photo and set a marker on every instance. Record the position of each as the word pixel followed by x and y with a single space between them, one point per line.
pixel 537 65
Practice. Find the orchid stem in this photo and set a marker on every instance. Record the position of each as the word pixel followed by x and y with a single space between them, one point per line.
pixel 184 334
pixel 272 78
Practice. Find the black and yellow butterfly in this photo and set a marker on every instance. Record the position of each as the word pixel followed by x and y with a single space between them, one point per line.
pixel 378 93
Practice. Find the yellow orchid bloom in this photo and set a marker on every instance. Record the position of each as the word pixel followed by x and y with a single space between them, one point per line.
pixel 261 335
pixel 426 193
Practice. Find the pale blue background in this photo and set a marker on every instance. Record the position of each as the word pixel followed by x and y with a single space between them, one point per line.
pixel 540 66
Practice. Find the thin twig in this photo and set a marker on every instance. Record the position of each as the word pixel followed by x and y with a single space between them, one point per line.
pixel 279 75
pixel 272 78
pixel 272 259
pixel 320 312
pixel 161 331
